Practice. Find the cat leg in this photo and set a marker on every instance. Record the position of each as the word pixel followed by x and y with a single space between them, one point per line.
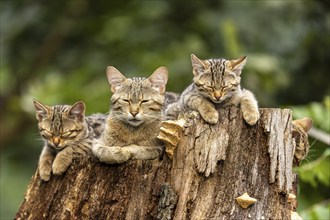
pixel 111 155
pixel 63 160
pixel 205 109
pixel 249 107
pixel 143 152
pixel 45 163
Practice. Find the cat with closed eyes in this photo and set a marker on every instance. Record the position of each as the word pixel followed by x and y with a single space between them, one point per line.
pixel 67 134
pixel 136 112
pixel 216 83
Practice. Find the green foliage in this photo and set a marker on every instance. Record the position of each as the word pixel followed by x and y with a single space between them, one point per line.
pixel 319 211
pixel 318 111
pixel 317 172
pixel 314 173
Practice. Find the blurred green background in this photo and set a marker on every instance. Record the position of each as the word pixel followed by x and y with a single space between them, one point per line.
pixel 57 52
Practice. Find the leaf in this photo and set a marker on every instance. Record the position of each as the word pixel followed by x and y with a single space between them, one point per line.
pixel 318 211
pixel 316 171
pixel 318 111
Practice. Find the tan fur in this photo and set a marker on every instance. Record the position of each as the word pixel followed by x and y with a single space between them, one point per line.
pixel 300 127
pixel 134 120
pixel 67 134
pixel 216 83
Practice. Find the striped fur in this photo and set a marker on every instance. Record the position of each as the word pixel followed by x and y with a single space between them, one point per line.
pixel 134 120
pixel 170 97
pixel 67 134
pixel 216 82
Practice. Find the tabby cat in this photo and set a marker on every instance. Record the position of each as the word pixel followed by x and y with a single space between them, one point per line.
pixel 300 128
pixel 67 134
pixel 216 83
pixel 134 120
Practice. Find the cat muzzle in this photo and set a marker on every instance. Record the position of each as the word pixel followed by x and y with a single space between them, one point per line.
pixel 134 113
pixel 56 141
pixel 135 122
pixel 217 100
pixel 217 95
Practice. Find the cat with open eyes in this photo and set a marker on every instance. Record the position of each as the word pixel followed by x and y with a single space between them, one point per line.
pixel 216 83
pixel 136 113
pixel 67 134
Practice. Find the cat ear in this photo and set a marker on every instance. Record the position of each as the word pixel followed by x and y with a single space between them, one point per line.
pixel 197 64
pixel 237 65
pixel 78 110
pixel 159 78
pixel 115 78
pixel 41 110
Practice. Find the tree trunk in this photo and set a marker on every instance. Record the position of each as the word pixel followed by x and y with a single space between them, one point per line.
pixel 212 165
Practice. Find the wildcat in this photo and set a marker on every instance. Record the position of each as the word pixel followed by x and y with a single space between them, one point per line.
pixel 134 120
pixel 216 83
pixel 300 128
pixel 170 97
pixel 67 134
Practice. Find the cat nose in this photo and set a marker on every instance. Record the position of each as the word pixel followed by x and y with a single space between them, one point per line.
pixel 56 141
pixel 134 113
pixel 217 95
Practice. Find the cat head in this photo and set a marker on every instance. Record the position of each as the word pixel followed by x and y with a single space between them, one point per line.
pixel 217 79
pixel 137 100
pixel 60 125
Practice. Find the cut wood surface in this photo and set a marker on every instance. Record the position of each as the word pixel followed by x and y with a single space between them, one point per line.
pixel 212 166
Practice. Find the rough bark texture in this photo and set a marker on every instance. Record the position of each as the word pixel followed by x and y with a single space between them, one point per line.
pixel 212 165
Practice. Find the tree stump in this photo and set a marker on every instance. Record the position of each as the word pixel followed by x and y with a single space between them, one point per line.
pixel 212 166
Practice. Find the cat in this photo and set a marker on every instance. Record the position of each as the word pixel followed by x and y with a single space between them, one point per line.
pixel 300 128
pixel 67 134
pixel 216 83
pixel 134 120
pixel 170 97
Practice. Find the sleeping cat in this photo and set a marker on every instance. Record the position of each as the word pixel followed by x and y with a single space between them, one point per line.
pixel 134 119
pixel 216 82
pixel 67 134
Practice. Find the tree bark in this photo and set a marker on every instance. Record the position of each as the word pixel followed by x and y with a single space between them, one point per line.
pixel 212 165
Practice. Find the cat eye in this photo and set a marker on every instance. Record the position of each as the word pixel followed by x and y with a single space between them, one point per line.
pixel 66 134
pixel 47 133
pixel 69 133
pixel 209 88
pixel 125 100
pixel 144 101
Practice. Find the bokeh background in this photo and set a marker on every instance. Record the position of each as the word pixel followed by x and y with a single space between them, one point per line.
pixel 57 52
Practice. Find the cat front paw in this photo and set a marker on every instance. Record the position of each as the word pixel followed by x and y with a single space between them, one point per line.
pixel 211 116
pixel 60 165
pixel 251 117
pixel 45 172
pixel 112 155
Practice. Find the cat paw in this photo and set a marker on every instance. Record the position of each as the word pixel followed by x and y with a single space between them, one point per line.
pixel 45 173
pixel 251 117
pixel 112 155
pixel 210 117
pixel 59 169
pixel 60 165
